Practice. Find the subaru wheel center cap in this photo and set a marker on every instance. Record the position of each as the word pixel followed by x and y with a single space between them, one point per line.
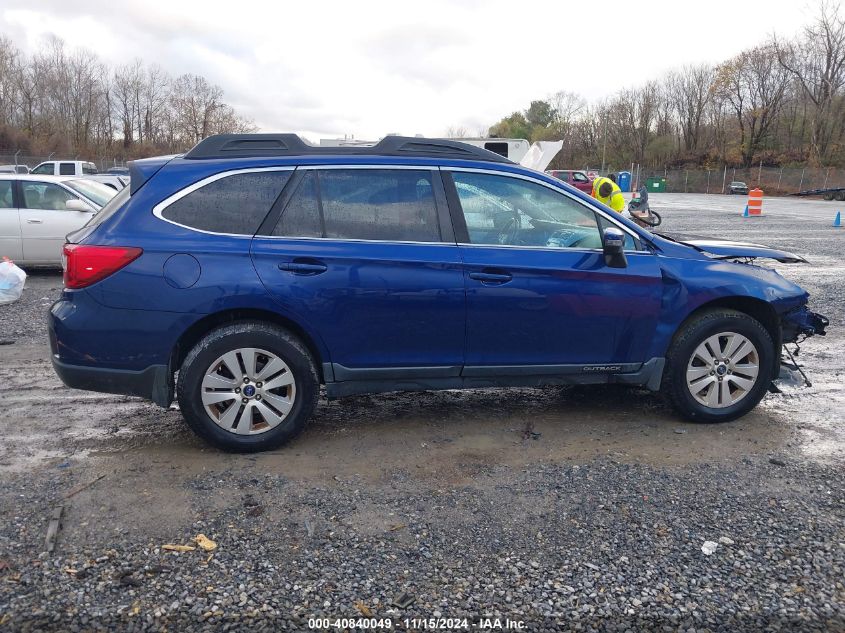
pixel 721 370
pixel 249 391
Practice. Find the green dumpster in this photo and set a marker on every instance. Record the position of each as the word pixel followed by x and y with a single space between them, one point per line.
pixel 656 185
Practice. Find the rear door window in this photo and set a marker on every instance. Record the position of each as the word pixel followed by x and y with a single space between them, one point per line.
pixel 67 169
pixel 7 201
pixel 234 204
pixel 379 204
pixel 301 217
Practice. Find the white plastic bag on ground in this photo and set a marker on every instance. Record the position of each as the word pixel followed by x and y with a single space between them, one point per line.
pixel 12 280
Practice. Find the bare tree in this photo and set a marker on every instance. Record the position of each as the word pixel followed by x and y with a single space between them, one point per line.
pixel 817 62
pixel 753 84
pixel 566 108
pixel 8 91
pixel 689 92
pixel 195 102
pixel 456 131
pixel 127 84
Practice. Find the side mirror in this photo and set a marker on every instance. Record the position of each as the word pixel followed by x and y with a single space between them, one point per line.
pixel 614 248
pixel 77 205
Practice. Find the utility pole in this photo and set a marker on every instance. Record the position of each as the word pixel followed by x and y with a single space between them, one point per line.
pixel 604 147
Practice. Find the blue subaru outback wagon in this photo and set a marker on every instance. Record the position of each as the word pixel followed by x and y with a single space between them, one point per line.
pixel 243 275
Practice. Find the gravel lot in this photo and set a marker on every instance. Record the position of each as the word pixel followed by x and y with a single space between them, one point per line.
pixel 561 508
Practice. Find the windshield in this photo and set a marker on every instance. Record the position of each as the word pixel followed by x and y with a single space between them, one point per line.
pixel 113 205
pixel 97 192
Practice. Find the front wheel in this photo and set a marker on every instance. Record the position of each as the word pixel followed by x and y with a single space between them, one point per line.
pixel 719 366
pixel 247 387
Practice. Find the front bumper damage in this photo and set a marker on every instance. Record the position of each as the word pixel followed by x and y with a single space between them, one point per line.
pixel 797 325
pixel 802 323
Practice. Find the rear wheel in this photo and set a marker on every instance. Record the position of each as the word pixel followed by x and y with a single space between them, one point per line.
pixel 719 366
pixel 840 195
pixel 248 387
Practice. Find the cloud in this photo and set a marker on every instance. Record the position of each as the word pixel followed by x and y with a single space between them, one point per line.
pixel 371 67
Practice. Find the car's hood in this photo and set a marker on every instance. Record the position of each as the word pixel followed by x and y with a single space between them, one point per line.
pixel 726 249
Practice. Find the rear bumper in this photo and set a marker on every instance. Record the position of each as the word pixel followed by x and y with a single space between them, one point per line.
pixel 153 383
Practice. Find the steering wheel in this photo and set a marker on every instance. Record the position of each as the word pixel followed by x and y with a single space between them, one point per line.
pixel 509 232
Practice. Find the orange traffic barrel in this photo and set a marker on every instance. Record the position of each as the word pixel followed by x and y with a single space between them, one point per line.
pixel 755 202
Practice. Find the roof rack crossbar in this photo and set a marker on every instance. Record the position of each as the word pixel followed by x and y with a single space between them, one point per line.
pixel 282 145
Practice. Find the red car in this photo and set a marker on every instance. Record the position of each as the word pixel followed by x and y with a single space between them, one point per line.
pixel 577 179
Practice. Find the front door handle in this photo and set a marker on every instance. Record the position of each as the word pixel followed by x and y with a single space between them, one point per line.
pixel 304 267
pixel 487 277
pixel 34 221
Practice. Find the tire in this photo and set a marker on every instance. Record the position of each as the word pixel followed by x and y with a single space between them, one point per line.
pixel 261 422
pixel 686 397
pixel 840 196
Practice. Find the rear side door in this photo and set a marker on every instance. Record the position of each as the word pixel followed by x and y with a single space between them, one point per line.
pixel 10 226
pixel 540 298
pixel 45 220
pixel 366 256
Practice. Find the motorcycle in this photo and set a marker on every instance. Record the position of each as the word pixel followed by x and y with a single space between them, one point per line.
pixel 640 210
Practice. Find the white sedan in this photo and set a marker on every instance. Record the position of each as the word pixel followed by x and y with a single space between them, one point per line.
pixel 36 212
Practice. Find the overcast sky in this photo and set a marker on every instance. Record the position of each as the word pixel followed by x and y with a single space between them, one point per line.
pixel 327 69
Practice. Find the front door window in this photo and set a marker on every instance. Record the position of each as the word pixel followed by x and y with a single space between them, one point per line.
pixel 505 211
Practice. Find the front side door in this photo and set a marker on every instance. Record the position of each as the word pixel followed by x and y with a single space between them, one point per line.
pixel 10 226
pixel 580 180
pixel 539 293
pixel 366 257
pixel 45 220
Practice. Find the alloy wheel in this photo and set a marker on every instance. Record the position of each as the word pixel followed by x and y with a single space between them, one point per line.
pixel 722 370
pixel 248 391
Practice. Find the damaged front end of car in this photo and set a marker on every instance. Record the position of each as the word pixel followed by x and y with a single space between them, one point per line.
pixel 797 325
pixel 801 323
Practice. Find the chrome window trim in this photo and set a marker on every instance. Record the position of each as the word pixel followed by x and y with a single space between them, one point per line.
pixel 370 166
pixel 551 249
pixel 351 239
pixel 508 174
pixel 161 206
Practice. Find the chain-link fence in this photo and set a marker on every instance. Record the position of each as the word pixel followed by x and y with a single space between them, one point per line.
pixel 14 157
pixel 772 180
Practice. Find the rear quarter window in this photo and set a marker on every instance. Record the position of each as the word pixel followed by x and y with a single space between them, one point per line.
pixel 112 206
pixel 235 204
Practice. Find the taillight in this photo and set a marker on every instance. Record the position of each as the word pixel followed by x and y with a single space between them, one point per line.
pixel 85 265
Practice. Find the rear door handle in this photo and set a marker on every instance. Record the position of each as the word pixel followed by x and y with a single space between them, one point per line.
pixel 34 221
pixel 304 267
pixel 491 277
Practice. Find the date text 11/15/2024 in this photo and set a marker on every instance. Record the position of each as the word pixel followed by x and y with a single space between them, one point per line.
pixel 430 624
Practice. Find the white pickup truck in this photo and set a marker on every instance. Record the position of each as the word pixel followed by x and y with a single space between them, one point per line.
pixel 80 168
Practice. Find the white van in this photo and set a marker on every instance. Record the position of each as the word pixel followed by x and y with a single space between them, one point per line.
pixel 511 148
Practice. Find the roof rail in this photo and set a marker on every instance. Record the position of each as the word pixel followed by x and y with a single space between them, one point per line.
pixel 281 145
